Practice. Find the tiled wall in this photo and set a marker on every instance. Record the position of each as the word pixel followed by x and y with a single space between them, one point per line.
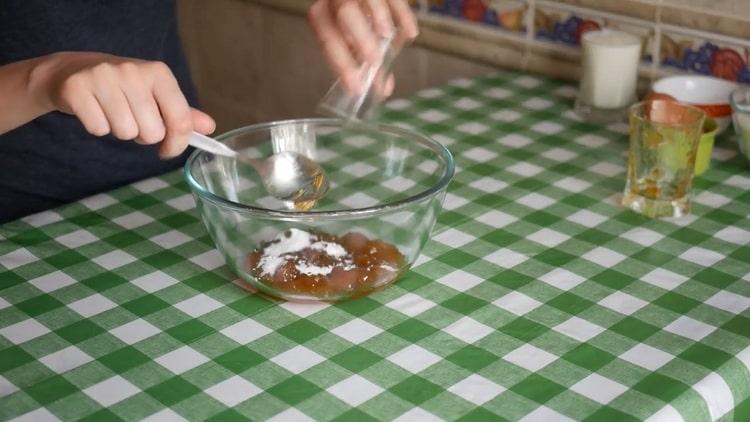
pixel 710 37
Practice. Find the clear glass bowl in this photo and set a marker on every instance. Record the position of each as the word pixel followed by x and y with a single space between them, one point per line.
pixel 740 101
pixel 387 185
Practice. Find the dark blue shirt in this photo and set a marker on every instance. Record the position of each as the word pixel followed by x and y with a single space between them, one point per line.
pixel 53 160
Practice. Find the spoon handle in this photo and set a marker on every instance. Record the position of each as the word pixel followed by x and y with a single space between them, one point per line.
pixel 211 145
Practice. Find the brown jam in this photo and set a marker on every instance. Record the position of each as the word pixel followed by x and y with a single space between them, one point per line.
pixel 324 265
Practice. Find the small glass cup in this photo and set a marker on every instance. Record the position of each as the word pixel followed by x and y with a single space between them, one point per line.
pixel 663 143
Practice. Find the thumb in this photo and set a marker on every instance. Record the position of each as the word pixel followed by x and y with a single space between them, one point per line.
pixel 202 122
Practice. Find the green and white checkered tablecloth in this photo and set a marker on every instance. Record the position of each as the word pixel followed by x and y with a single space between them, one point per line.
pixel 537 299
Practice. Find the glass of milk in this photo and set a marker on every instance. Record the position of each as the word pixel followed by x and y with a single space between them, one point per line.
pixel 610 73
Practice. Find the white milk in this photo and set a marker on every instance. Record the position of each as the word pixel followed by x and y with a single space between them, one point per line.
pixel 610 68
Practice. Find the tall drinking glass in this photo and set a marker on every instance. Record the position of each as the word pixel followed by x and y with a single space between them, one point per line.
pixel 663 142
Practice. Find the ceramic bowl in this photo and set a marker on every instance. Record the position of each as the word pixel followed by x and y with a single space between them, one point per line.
pixel 705 92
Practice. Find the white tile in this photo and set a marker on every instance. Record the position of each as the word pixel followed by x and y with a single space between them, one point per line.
pixel 734 235
pixel 453 238
pixel 572 184
pixel 150 185
pixel 488 184
pixel 181 360
pixel 598 388
pixel 183 202
pixel 644 237
pixel 517 303
pixel 587 218
pixel 6 387
pixel 525 169
pixel 66 359
pixel 38 415
pixel 410 304
pixel 498 93
pixel 446 141
pixel 76 239
pixel 723 154
pixel 453 201
pixel 291 415
pixel 559 154
pixel 297 359
pixel 433 116
pixel 738 181
pixel 398 104
pixel 506 258
pixel 134 331
pixel 112 390
pixel 459 280
pixel 17 258
pixel 545 414
pixel 479 154
pixel 414 358
pixel 536 201
pixel 691 328
pixel 684 221
pixel 99 201
pixel 198 305
pixel 647 357
pixel 566 91
pixel 165 415
pixel 233 391
pixel 496 219
pixel 619 127
pixel 154 282
pixel 604 256
pixel 417 414
pixel 514 140
pixel 607 169
pixel 115 259
pixel 623 303
pixel 730 302
pixel 591 141
pixel 476 389
pixel 42 218
pixel 133 220
pixel 171 239
pixel 398 184
pixel 712 199
pixel 536 103
pixel 530 357
pixel 357 331
pixel 506 115
pixel 547 127
pixel 245 331
pixel 579 329
pixel 359 169
pixel 666 414
pixel 467 103
pixel 354 390
pixel 359 200
pixel 24 331
pixel 664 278
pixel 472 128
pixel 428 166
pixel 527 82
pixel 468 330
pixel 304 310
pixel 53 281
pixel 701 256
pixel 209 260
pixel 562 279
pixel 92 305
pixel 548 237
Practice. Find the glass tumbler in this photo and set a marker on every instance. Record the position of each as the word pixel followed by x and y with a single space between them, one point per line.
pixel 664 139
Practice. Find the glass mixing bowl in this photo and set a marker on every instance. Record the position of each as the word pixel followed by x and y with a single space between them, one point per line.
pixel 387 185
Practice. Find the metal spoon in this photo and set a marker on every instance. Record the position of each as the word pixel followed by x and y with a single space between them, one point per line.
pixel 287 175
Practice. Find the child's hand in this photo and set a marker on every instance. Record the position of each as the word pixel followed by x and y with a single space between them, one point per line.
pixel 129 98
pixel 348 31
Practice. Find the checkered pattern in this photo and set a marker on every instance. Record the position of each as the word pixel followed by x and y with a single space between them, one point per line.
pixel 538 298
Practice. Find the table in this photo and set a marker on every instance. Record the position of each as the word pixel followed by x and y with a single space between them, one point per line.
pixel 538 297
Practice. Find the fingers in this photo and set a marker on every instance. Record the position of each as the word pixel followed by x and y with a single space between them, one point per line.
pixel 202 122
pixel 87 109
pixel 356 29
pixel 175 112
pixel 405 19
pixel 334 47
pixel 381 17
pixel 143 108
